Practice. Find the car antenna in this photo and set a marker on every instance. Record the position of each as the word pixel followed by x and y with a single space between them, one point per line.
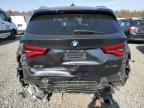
pixel 72 4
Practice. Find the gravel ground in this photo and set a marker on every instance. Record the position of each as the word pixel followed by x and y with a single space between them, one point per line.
pixel 129 96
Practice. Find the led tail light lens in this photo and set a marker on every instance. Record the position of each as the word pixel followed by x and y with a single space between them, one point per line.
pixel 32 51
pixel 117 49
pixel 133 29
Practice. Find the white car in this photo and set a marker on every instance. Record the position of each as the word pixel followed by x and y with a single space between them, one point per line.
pixel 7 28
pixel 20 22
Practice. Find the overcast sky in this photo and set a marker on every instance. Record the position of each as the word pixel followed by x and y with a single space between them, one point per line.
pixel 25 5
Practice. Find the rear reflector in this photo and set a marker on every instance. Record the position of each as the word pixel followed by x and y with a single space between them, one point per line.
pixel 117 49
pixel 31 51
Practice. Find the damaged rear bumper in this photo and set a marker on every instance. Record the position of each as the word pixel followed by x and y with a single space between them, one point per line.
pixel 69 83
pixel 67 79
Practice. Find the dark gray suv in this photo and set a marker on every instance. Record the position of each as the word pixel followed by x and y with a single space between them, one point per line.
pixel 73 49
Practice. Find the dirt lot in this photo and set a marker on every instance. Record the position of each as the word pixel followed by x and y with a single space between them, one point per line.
pixel 129 96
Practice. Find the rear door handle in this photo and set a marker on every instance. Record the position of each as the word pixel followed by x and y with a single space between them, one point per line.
pixel 2 23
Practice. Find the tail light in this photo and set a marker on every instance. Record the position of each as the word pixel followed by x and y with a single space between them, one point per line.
pixel 32 51
pixel 133 29
pixel 117 49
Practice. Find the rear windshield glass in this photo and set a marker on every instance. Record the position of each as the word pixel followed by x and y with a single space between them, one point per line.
pixel 139 23
pixel 69 24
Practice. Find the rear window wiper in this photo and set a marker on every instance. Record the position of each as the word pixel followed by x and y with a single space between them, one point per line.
pixel 86 32
pixel 83 32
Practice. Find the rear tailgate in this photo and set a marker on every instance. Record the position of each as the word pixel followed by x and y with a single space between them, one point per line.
pixel 73 54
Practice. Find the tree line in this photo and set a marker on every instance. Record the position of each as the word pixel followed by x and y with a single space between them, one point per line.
pixel 18 13
pixel 127 13
pixel 119 13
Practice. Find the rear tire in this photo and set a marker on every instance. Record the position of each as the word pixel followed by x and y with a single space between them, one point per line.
pixel 124 76
pixel 127 71
pixel 12 35
pixel 20 75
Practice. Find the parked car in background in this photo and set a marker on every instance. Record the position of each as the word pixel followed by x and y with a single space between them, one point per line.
pixel 20 22
pixel 7 28
pixel 70 49
pixel 133 28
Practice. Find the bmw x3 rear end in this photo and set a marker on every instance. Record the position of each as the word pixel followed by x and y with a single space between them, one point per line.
pixel 73 49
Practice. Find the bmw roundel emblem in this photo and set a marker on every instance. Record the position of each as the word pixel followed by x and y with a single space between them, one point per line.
pixel 75 43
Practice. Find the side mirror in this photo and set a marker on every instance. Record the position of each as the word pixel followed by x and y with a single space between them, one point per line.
pixel 9 19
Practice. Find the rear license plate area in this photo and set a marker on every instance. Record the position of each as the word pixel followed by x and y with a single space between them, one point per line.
pixel 141 31
pixel 73 55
